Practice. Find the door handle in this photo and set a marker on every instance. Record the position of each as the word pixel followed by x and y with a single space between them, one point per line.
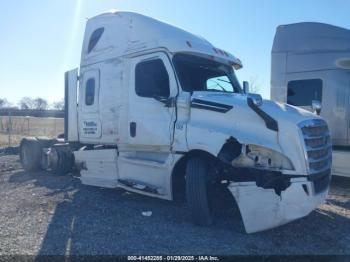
pixel 132 129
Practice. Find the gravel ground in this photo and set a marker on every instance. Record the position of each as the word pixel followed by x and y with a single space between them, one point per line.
pixel 43 214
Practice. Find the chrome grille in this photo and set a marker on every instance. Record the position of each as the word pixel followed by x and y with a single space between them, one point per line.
pixel 319 151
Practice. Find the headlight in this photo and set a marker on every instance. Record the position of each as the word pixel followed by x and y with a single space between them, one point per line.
pixel 262 157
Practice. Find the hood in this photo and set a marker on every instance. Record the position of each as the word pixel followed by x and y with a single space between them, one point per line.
pixel 278 111
pixel 239 120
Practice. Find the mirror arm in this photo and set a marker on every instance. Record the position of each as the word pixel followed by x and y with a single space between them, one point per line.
pixel 168 102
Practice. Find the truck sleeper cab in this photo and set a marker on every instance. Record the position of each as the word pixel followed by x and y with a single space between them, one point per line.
pixel 310 62
pixel 158 111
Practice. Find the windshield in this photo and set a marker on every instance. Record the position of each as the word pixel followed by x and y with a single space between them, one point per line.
pixel 200 74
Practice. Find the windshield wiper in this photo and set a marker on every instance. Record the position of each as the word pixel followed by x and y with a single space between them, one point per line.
pixel 223 81
pixel 223 89
pixel 217 90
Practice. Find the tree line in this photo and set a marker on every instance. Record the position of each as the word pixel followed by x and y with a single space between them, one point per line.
pixel 32 103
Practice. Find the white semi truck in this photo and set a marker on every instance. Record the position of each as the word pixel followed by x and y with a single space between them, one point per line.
pixel 310 68
pixel 159 111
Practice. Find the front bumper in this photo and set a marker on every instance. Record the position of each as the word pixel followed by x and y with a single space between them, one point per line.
pixel 263 209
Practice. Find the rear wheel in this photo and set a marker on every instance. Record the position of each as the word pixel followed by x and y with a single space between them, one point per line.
pixel 197 191
pixel 30 154
pixel 62 161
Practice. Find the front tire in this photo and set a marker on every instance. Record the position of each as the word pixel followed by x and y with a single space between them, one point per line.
pixel 197 191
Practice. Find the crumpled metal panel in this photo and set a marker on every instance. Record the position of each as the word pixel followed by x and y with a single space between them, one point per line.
pixel 263 209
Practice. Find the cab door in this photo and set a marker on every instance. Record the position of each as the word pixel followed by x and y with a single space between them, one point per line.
pixel 151 112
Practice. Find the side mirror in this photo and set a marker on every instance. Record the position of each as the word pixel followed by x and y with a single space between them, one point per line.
pixel 316 106
pixel 167 101
pixel 245 87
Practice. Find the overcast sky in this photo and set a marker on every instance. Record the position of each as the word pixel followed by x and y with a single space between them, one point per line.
pixel 40 40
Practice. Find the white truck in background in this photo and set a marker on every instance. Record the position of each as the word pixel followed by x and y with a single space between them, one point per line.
pixel 158 111
pixel 310 68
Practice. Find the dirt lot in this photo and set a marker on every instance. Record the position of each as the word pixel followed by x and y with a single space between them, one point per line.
pixel 45 214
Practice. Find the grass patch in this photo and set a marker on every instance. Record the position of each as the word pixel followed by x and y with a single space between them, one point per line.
pixel 20 127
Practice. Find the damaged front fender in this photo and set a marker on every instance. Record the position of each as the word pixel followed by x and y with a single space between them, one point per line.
pixel 263 209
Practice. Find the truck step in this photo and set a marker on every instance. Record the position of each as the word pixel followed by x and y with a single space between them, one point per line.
pixel 140 186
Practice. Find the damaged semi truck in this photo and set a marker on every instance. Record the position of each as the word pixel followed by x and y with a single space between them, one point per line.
pixel 159 111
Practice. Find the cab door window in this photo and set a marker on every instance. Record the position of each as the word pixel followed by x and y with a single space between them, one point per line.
pixel 152 79
pixel 303 92
pixel 90 92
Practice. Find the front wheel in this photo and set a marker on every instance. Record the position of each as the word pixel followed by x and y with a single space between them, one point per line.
pixel 197 191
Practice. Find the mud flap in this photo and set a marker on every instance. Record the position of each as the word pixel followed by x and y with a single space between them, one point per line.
pixel 263 209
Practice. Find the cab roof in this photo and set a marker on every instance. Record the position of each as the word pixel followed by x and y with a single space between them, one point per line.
pixel 310 37
pixel 125 33
pixel 328 45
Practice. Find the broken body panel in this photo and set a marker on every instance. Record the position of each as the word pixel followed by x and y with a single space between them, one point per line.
pixel 136 141
pixel 271 210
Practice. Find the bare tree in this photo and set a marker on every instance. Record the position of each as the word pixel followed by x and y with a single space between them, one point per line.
pixel 58 105
pixel 40 103
pixel 4 103
pixel 26 103
pixel 254 85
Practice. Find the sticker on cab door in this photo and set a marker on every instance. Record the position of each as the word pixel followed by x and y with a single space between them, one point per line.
pixel 91 128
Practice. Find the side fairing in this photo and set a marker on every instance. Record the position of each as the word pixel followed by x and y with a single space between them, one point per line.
pixel 71 109
pixel 99 117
